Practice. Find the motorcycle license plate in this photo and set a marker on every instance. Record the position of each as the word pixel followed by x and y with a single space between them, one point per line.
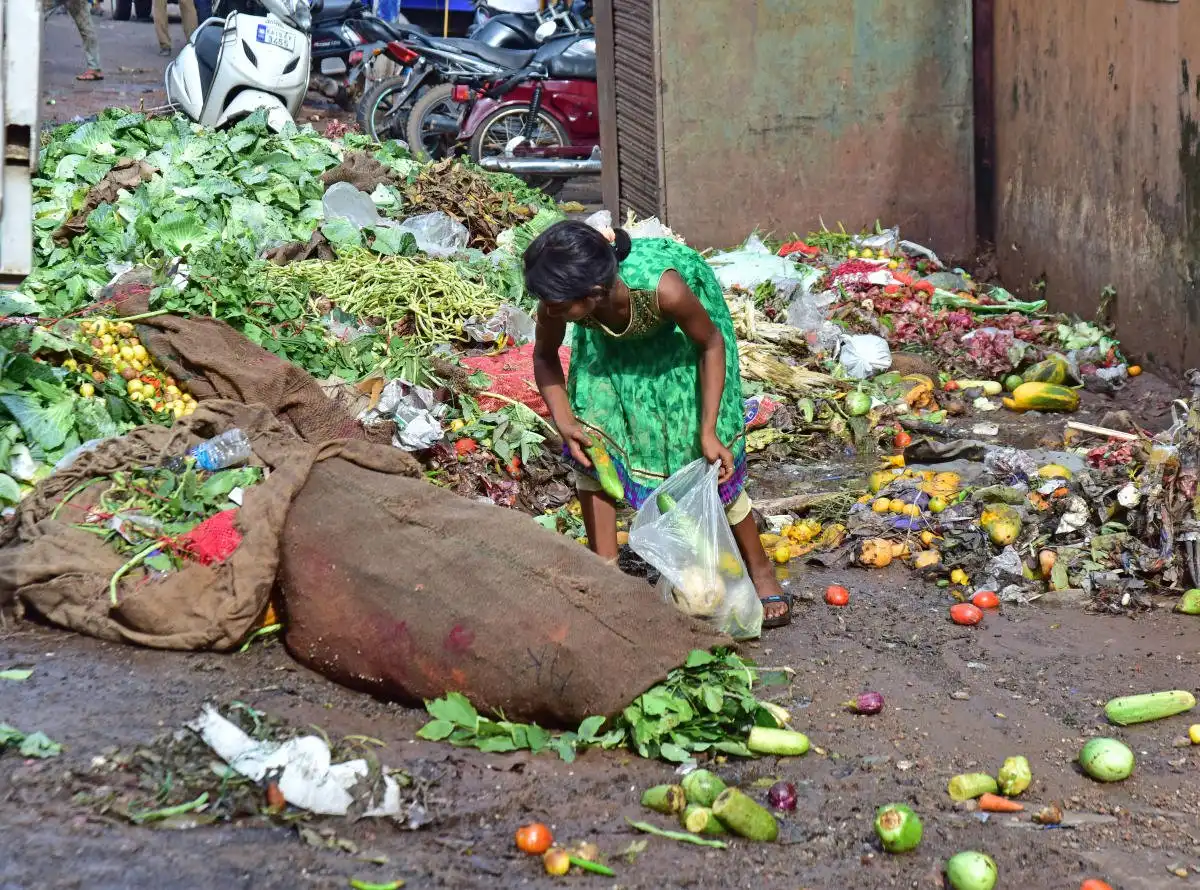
pixel 273 36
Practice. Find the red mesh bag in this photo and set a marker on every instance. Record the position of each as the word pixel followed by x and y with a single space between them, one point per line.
pixel 511 374
pixel 214 540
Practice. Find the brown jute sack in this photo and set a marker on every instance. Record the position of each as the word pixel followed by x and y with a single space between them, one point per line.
pixel 398 588
pixel 63 572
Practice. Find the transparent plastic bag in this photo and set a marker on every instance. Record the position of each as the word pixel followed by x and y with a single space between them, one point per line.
pixel 692 546
pixel 437 234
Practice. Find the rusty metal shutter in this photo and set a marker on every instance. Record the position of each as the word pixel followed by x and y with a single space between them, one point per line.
pixel 635 75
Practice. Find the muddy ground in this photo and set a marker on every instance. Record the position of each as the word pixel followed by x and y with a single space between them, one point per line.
pixel 1030 680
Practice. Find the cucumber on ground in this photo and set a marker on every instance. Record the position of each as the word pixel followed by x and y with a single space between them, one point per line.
pixel 744 816
pixel 1150 706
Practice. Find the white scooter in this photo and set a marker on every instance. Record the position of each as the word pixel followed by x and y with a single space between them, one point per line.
pixel 234 66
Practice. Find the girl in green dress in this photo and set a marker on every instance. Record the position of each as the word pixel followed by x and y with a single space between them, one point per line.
pixel 654 376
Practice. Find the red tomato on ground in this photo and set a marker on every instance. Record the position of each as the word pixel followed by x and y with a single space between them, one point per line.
pixel 965 613
pixel 534 839
pixel 986 599
pixel 837 596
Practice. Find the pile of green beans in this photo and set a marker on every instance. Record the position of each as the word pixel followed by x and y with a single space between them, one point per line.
pixel 431 298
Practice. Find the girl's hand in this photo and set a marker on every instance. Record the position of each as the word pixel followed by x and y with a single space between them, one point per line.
pixel 577 440
pixel 713 451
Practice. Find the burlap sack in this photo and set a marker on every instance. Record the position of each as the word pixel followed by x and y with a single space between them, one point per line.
pixel 63 572
pixel 396 587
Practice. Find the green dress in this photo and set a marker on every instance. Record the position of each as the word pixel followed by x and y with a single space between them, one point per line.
pixel 639 389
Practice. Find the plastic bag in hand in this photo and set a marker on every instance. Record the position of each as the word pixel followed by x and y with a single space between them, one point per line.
pixel 682 531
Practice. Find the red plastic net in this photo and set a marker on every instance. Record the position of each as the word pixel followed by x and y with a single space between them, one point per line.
pixel 214 540
pixel 511 374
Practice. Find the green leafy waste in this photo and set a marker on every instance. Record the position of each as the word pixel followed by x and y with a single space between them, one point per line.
pixel 42 418
pixel 33 744
pixel 705 705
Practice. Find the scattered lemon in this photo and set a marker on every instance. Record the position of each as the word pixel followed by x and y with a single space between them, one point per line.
pixel 1194 733
pixel 958 576
pixel 937 505
pixel 139 353
pixel 881 505
pixel 87 390
pixel 897 506
pixel 867 253
pixel 783 554
pixel 911 510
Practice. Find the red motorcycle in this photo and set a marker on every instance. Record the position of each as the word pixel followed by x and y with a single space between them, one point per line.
pixel 540 122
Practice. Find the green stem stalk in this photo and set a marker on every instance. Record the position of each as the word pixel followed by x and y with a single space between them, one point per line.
pixel 125 569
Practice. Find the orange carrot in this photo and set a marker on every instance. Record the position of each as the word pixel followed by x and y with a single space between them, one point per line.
pixel 994 803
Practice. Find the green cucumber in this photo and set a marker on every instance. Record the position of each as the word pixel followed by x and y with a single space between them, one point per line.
pixel 1150 706
pixel 744 816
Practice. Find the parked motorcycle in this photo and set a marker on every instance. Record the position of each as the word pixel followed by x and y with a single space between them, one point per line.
pixel 541 122
pixel 345 34
pixel 384 111
pixel 234 66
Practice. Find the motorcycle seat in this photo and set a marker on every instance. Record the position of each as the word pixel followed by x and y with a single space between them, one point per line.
pixel 571 67
pixel 505 58
pixel 335 10
pixel 568 58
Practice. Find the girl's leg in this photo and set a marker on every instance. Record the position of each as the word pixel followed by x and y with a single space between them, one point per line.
pixel 758 564
pixel 600 520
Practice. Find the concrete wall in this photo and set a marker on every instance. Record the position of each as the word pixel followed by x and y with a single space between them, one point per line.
pixel 1098 162
pixel 778 113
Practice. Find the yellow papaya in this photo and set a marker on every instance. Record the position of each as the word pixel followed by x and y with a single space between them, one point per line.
pixel 1042 397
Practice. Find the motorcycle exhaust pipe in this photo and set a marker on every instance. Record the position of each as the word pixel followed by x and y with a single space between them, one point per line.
pixel 541 166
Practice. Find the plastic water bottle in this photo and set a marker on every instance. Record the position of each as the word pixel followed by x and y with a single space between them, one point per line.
pixel 229 449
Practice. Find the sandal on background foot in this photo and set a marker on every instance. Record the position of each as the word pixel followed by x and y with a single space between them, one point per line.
pixel 780 620
pixel 90 75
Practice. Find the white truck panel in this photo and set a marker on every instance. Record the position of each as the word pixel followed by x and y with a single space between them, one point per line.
pixel 20 42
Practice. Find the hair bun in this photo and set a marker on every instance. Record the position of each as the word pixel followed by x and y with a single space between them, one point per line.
pixel 622 244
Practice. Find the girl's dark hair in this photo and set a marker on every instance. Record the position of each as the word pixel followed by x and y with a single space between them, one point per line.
pixel 570 259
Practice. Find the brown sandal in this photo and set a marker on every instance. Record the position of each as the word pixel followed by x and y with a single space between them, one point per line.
pixel 90 75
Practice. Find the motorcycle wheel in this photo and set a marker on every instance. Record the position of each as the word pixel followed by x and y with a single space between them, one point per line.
pixel 377 115
pixel 423 143
pixel 503 125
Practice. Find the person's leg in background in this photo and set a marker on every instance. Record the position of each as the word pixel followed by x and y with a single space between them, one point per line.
pixel 203 10
pixel 187 12
pixel 161 31
pixel 81 14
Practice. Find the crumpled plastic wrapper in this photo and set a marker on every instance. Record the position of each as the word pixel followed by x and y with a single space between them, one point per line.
pixel 415 411
pixel 509 321
pixel 1074 518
